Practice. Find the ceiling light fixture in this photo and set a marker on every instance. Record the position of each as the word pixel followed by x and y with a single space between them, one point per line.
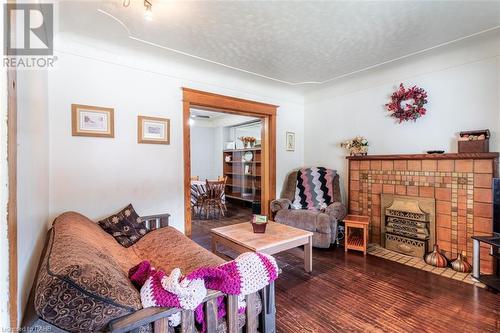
pixel 148 14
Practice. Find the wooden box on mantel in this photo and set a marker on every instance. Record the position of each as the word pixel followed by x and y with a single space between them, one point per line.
pixel 460 184
pixel 474 146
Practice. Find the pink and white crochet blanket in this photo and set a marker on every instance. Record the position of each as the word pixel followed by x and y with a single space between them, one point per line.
pixel 246 274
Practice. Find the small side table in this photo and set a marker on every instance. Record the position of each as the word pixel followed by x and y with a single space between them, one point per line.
pixel 356 232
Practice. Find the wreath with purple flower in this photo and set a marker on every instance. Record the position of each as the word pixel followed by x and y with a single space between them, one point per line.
pixel 407 104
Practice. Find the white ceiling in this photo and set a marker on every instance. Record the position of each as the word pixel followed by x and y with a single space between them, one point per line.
pixel 292 42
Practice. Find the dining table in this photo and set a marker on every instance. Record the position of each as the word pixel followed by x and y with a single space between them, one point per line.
pixel 198 189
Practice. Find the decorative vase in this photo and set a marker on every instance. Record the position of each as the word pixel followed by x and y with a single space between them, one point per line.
pixel 435 258
pixel 461 264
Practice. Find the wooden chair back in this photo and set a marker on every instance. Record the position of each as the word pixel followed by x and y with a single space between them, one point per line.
pixel 215 189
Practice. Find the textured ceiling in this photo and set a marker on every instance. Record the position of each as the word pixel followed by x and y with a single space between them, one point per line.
pixel 292 42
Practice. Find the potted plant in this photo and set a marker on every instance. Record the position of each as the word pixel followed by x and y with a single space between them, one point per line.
pixel 357 146
pixel 259 223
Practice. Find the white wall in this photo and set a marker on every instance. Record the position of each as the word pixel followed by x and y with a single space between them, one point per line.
pixel 462 81
pixel 4 199
pixel 98 176
pixel 204 155
pixel 252 130
pixel 32 184
pixel 208 142
pixel 219 146
pixel 32 176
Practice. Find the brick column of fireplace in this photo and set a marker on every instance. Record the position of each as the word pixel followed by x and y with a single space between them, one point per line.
pixel 460 184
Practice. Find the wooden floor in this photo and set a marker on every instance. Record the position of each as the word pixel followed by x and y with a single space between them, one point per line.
pixel 236 213
pixel 353 293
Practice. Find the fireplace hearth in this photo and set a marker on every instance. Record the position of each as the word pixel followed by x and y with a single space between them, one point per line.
pixel 407 224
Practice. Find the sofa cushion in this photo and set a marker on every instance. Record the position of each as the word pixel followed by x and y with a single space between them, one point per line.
pixel 125 226
pixel 167 248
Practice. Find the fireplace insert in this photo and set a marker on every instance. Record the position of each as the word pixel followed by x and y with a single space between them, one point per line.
pixel 407 224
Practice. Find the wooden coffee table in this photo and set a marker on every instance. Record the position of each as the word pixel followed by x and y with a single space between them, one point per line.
pixel 278 237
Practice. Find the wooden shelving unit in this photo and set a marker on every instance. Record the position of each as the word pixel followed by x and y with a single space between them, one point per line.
pixel 243 177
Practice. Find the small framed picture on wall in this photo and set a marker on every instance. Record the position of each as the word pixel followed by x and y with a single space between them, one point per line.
pixel 87 120
pixel 153 130
pixel 290 141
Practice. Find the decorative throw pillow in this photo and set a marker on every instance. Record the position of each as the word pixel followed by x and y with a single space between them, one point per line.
pixel 125 226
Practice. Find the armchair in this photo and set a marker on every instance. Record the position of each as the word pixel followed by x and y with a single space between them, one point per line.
pixel 321 222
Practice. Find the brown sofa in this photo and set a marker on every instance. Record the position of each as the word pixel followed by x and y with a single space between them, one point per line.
pixel 82 283
pixel 323 225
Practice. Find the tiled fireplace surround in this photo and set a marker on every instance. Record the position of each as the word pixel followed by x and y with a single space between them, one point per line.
pixel 460 184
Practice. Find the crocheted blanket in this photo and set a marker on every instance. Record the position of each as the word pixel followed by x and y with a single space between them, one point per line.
pixel 247 274
pixel 314 188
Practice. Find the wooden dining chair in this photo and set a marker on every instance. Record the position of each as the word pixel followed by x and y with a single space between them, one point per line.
pixel 199 196
pixel 213 200
pixel 197 206
pixel 223 178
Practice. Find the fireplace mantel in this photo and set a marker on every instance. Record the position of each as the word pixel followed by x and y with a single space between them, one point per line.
pixel 449 156
pixel 460 183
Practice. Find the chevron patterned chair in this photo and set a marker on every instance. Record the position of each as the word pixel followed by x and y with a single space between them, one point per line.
pixel 310 200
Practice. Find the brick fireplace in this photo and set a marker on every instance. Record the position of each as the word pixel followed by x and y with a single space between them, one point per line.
pixel 460 185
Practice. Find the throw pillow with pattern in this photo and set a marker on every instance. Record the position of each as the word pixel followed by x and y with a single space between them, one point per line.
pixel 125 226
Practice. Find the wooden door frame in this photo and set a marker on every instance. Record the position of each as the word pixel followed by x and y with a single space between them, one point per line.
pixel 238 106
pixel 12 188
pixel 12 184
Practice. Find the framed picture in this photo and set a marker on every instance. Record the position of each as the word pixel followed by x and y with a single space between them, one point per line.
pixel 153 130
pixel 290 141
pixel 87 120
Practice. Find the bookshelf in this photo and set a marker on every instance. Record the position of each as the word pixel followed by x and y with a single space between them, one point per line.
pixel 243 170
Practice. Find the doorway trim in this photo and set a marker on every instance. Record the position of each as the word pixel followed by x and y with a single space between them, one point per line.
pixel 12 195
pixel 238 106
